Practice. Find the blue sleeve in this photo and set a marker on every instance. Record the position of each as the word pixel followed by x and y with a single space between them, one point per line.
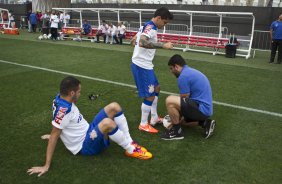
pixel 183 85
pixel 272 25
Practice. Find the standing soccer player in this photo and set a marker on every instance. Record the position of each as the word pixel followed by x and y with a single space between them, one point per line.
pixel 147 84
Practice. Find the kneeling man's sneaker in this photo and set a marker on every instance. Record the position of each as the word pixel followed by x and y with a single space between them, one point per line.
pixel 173 134
pixel 209 127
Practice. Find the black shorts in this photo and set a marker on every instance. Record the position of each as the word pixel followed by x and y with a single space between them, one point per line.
pixel 190 110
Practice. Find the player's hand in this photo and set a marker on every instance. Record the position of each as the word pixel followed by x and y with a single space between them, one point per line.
pixel 168 45
pixel 40 170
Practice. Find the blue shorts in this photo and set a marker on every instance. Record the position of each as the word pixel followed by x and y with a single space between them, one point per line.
pixel 145 81
pixel 95 141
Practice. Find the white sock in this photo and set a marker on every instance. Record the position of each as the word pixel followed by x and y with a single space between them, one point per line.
pixel 119 138
pixel 145 109
pixel 154 113
pixel 123 125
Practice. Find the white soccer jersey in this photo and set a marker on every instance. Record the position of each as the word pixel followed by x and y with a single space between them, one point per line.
pixel 143 57
pixel 54 21
pixel 103 28
pixel 121 29
pixel 67 117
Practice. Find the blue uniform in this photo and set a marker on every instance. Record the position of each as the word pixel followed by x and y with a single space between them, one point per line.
pixel 77 135
pixel 142 62
pixel 33 18
pixel 95 142
pixel 86 28
pixel 195 83
pixel 145 81
pixel 276 26
pixel 276 44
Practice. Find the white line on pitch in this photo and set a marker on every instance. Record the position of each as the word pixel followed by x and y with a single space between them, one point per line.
pixel 133 86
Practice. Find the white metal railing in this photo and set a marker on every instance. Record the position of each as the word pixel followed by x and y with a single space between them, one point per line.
pixel 210 31
pixel 262 41
pixel 174 28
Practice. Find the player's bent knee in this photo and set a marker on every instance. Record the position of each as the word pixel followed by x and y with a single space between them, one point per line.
pixel 107 125
pixel 115 106
pixel 172 101
pixel 169 100
pixel 112 109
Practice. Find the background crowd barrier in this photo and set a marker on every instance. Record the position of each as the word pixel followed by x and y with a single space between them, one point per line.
pixel 205 37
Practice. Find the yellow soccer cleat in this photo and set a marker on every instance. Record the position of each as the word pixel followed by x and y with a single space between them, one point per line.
pixel 138 153
pixel 136 145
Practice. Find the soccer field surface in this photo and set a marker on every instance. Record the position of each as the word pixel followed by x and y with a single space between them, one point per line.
pixel 246 147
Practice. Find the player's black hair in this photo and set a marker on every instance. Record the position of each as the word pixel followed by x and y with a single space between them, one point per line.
pixel 69 84
pixel 164 13
pixel 176 60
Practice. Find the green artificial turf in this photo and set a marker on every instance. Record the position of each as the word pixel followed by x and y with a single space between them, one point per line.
pixel 246 147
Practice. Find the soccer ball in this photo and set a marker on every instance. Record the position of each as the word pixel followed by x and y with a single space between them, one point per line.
pixel 45 36
pixel 167 122
pixel 49 36
pixel 61 37
pixel 40 37
pixel 77 39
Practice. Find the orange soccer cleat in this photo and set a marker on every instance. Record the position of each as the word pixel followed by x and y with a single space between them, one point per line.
pixel 136 145
pixel 148 128
pixel 159 121
pixel 138 153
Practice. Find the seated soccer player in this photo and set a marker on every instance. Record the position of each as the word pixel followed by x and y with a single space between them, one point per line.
pixel 102 31
pixel 78 136
pixel 86 28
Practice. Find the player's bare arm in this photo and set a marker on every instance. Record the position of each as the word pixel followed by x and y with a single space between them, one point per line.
pixel 55 134
pixel 146 43
pixel 133 40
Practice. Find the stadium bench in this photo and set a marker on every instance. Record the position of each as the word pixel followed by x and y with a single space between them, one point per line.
pixel 193 40
pixel 200 41
pixel 92 34
pixel 69 32
pixel 130 34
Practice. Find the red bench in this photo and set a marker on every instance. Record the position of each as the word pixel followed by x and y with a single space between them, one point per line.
pixel 130 34
pixel 207 41
pixel 193 40
pixel 186 40
pixel 76 31
pixel 71 31
pixel 91 34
